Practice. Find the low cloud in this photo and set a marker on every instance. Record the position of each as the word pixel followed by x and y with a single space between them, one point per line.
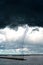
pixel 15 51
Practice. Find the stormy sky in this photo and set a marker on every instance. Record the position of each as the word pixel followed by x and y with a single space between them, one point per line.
pixel 17 12
pixel 21 26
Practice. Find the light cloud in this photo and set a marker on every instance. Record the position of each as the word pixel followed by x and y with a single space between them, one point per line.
pixel 15 51
pixel 25 39
pixel 8 34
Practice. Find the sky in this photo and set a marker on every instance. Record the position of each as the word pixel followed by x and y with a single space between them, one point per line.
pixel 21 26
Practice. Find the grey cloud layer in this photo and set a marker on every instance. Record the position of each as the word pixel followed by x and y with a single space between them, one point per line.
pixel 29 11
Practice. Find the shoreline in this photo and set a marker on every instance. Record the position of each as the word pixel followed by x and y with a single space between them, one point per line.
pixel 21 54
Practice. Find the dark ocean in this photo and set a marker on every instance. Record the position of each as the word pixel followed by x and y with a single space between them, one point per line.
pixel 30 60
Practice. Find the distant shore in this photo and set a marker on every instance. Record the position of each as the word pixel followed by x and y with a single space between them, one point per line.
pixel 21 55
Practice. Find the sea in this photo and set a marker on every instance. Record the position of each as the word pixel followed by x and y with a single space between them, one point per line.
pixel 30 60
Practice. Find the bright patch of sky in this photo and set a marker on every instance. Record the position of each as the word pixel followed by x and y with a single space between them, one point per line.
pixel 24 40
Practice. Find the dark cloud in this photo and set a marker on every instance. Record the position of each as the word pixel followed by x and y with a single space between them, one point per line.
pixel 15 12
pixel 36 29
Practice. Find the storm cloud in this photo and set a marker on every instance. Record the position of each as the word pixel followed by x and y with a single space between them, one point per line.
pixel 19 12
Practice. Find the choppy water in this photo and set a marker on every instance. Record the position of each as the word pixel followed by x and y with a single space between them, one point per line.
pixel 31 60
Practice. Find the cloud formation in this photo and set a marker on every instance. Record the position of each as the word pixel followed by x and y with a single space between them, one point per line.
pixel 23 32
pixel 18 12
pixel 15 51
pixel 22 39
